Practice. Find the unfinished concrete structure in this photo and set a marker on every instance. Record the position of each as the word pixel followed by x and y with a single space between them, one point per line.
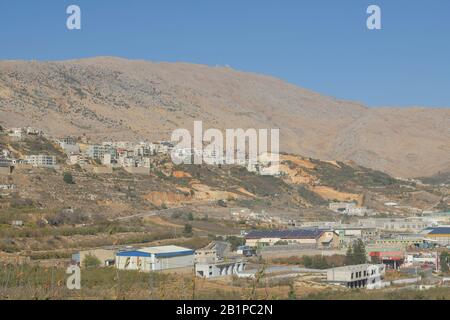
pixel 358 276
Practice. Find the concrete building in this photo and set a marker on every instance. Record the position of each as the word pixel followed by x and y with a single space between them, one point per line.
pixel 315 237
pixel 368 276
pixel 391 257
pixel 341 207
pixel 403 240
pixel 78 159
pixel 412 224
pixel 348 234
pixel 422 259
pixel 7 186
pixel 155 259
pixel 105 256
pixel 41 160
pixel 99 151
pixel 69 146
pixel 16 133
pixel 220 268
pixel 6 167
pixel 5 153
pixel 217 260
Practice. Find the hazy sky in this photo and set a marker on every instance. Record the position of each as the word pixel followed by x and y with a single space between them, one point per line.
pixel 322 45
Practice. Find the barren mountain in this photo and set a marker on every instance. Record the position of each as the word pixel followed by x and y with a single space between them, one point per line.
pixel 112 98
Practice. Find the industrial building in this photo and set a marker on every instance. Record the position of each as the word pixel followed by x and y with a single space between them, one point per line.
pixel 314 237
pixel 410 224
pixel 391 257
pixel 404 240
pixel 155 258
pixel 439 235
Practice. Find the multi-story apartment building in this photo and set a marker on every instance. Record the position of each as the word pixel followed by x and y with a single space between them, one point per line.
pixel 99 151
pixel 41 160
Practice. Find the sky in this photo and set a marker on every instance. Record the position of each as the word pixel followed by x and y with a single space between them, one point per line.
pixel 322 45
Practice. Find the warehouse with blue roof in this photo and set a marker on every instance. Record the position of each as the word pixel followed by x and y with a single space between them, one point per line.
pixel 438 235
pixel 155 259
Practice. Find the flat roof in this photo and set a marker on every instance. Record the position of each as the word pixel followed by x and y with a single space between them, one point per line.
pixel 439 230
pixel 286 234
pixel 159 252
pixel 164 249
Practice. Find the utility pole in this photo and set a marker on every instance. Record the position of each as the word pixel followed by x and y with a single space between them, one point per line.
pixel 193 284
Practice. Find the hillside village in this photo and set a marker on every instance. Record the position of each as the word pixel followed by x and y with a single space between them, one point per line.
pixel 314 226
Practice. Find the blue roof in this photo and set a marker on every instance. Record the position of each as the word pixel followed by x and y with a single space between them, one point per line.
pixel 174 254
pixel 285 234
pixel 133 253
pixel 440 230
pixel 137 253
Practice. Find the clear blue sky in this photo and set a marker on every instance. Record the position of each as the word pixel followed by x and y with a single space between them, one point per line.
pixel 322 45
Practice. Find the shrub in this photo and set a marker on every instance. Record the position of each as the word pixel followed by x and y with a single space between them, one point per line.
pixel 68 178
pixel 187 230
pixel 91 261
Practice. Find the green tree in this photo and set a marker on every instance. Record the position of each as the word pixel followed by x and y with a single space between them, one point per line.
pixel 190 216
pixel 359 252
pixel 235 242
pixel 444 261
pixel 356 253
pixel 91 261
pixel 307 261
pixel 68 178
pixel 187 230
pixel 349 255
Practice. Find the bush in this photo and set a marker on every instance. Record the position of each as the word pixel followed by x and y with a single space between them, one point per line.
pixel 222 203
pixel 68 178
pixel 187 230
pixel 91 261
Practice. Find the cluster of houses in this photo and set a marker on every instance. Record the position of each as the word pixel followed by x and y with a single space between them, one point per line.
pixel 350 209
pixel 8 162
pixel 134 157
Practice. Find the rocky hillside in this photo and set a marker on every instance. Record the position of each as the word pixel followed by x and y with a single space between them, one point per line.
pixel 111 98
pixel 306 183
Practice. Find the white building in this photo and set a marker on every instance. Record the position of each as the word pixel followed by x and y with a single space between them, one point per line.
pixel 341 207
pixel 16 133
pixel 6 153
pixel 69 146
pixel 80 159
pixel 217 260
pixel 155 259
pixel 410 224
pixel 368 276
pixel 41 161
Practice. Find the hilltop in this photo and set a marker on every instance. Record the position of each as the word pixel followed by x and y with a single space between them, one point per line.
pixel 111 98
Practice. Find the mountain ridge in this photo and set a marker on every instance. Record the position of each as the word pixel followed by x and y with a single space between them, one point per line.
pixel 115 98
